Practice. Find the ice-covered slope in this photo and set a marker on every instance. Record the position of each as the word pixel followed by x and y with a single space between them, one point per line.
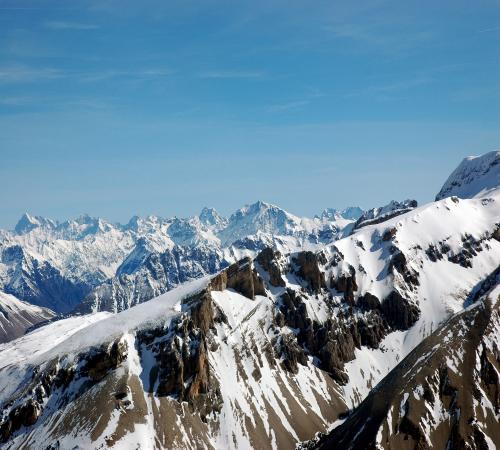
pixel 475 176
pixel 17 316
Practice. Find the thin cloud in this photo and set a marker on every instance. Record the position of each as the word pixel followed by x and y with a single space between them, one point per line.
pixel 396 86
pixel 91 77
pixel 15 101
pixel 289 106
pixel 380 35
pixel 22 74
pixel 58 25
pixel 232 74
pixel 25 74
pixel 489 30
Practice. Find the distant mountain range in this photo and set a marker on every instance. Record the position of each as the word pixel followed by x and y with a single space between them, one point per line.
pixel 89 264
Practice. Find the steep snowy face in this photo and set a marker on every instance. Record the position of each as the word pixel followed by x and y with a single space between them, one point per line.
pixel 27 223
pixel 474 177
pixel 16 317
pixel 211 218
pixel 261 217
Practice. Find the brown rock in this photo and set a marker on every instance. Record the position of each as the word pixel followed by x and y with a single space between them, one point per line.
pixel 346 284
pixel 400 313
pixel 240 276
pixel 267 259
pixel 308 269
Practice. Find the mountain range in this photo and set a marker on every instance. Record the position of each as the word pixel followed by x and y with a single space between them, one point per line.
pixel 354 329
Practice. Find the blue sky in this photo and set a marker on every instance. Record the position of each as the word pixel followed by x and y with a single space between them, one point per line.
pixel 119 107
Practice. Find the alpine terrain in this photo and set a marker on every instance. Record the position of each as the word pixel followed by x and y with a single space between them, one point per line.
pixel 375 329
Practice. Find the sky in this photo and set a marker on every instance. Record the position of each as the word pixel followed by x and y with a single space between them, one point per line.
pixel 117 107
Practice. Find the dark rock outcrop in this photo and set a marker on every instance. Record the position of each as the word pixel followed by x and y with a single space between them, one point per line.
pixel 399 312
pixel 267 259
pixel 182 371
pixel 346 283
pixel 368 302
pixel 399 264
pixel 291 353
pixel 104 359
pixel 308 269
pixel 240 276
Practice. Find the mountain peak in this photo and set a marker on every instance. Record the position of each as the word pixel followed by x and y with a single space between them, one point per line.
pixel 27 222
pixel 349 213
pixel 474 176
pixel 210 217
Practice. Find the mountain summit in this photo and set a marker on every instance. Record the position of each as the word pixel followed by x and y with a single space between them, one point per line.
pixel 475 176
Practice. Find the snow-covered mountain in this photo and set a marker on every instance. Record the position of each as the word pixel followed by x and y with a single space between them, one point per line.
pixel 382 213
pixel 16 317
pixel 349 213
pixel 89 260
pixel 271 350
pixel 385 337
pixel 444 394
pixel 475 176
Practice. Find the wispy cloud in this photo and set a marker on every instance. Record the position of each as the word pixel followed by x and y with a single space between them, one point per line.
pixel 381 35
pixel 288 106
pixel 296 104
pixel 489 30
pixel 22 74
pixel 61 25
pixel 15 101
pixel 25 74
pixel 90 77
pixel 391 88
pixel 231 74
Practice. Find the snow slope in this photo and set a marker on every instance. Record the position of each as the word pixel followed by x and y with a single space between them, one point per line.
pixel 475 176
pixel 17 316
pixel 433 239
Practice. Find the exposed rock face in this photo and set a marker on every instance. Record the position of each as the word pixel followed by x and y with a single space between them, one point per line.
pixel 308 270
pixel 291 353
pixel 368 302
pixel 400 264
pixel 242 277
pixel 332 342
pixel 470 248
pixel 89 368
pixel 268 260
pixel 102 360
pixel 399 312
pixel 372 329
pixel 346 283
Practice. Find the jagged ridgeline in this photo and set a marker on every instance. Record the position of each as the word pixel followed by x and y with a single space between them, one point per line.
pixel 383 335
